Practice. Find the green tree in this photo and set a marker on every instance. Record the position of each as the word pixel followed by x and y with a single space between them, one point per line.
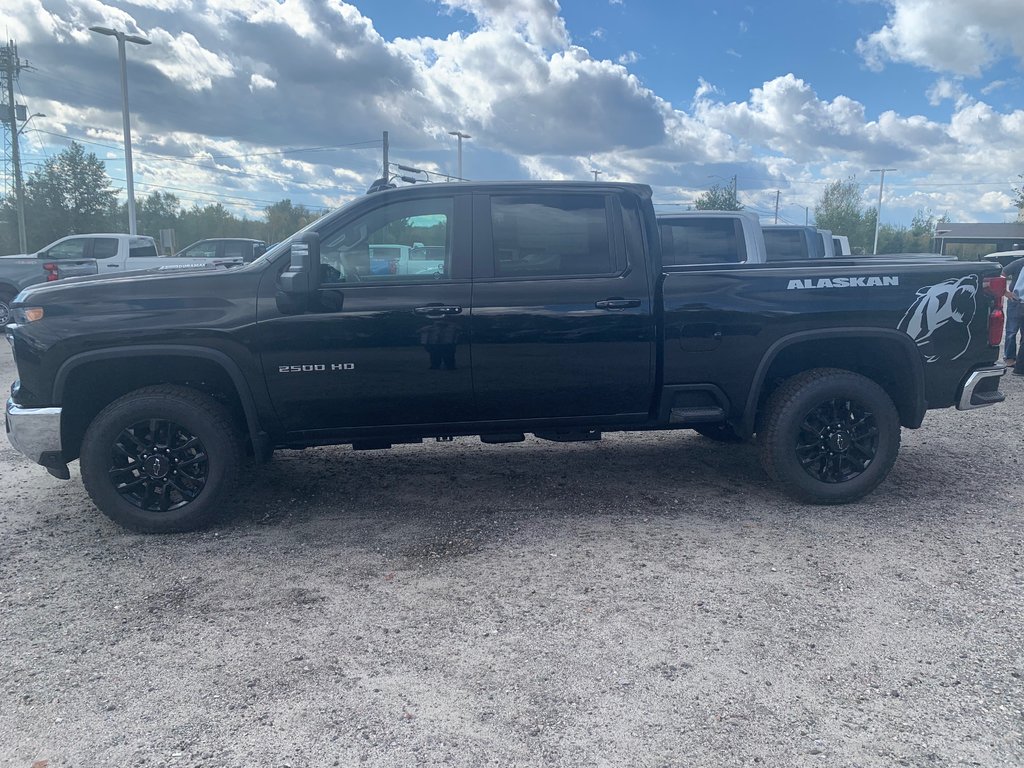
pixel 285 219
pixel 718 198
pixel 840 210
pixel 1019 202
pixel 159 210
pixel 70 194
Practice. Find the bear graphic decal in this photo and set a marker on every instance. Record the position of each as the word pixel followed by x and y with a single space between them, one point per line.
pixel 939 320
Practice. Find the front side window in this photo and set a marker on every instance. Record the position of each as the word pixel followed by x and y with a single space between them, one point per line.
pixel 701 241
pixel 200 251
pixel 408 241
pixel 69 249
pixel 551 236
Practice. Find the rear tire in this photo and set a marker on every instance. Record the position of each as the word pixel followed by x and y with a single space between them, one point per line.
pixel 830 436
pixel 161 459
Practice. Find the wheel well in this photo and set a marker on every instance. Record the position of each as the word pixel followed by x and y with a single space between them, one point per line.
pixel 6 288
pixel 94 385
pixel 884 361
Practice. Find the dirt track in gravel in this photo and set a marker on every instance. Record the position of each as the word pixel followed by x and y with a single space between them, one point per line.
pixel 647 600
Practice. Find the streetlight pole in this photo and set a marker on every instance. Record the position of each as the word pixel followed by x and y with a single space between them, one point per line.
pixel 878 216
pixel 460 136
pixel 122 38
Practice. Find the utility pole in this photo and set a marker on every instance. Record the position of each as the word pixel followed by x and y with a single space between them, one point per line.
pixel 386 164
pixel 11 66
pixel 777 193
pixel 596 173
pixel 460 136
pixel 122 38
pixel 807 215
pixel 878 217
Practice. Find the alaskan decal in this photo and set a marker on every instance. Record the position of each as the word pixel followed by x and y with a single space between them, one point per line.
pixel 843 282
pixel 939 320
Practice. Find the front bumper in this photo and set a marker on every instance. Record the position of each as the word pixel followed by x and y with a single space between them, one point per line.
pixel 981 388
pixel 35 432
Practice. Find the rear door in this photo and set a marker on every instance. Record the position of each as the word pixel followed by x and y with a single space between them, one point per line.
pixel 563 322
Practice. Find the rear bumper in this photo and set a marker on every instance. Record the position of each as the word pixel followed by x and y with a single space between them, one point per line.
pixel 981 388
pixel 35 432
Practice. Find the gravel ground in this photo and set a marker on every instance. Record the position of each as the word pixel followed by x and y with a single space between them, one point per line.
pixel 647 600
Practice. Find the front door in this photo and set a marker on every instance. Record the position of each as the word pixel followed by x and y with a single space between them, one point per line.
pixel 380 346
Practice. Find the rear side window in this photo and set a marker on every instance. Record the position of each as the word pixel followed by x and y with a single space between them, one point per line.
pixel 104 247
pixel 785 244
pixel 551 236
pixel 142 248
pixel 234 250
pixel 702 241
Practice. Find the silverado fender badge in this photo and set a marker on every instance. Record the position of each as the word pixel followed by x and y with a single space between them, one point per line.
pixel 843 282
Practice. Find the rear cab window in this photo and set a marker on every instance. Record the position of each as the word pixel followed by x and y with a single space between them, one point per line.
pixel 141 247
pixel 785 244
pixel 702 241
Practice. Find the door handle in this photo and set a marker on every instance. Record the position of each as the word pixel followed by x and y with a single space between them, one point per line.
pixel 612 304
pixel 438 309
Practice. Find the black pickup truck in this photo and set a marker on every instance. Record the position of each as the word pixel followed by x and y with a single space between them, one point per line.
pixel 492 309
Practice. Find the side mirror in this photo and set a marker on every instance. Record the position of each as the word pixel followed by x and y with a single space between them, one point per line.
pixel 301 279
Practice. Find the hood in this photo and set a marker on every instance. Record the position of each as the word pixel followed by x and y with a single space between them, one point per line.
pixel 129 282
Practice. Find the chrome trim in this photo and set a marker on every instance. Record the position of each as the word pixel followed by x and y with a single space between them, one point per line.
pixel 33 431
pixel 978 376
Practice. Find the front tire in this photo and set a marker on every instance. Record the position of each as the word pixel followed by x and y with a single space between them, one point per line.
pixel 6 298
pixel 830 436
pixel 161 459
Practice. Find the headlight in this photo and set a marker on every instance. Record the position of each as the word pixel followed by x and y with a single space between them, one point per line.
pixel 23 315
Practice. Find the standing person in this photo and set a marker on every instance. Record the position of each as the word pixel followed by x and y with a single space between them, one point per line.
pixel 1014 311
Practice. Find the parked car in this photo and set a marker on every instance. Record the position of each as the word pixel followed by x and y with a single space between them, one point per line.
pixel 226 250
pixel 552 313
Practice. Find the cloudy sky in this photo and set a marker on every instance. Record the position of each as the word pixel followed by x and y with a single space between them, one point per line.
pixel 246 102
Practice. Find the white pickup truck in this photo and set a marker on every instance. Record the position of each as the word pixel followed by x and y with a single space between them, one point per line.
pixel 114 252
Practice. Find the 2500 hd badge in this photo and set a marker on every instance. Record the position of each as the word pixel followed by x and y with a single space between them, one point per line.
pixel 316 367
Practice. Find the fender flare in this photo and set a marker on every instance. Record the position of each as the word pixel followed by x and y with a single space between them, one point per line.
pixel 222 359
pixel 913 356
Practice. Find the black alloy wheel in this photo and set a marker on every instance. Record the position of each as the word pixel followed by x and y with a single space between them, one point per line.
pixel 158 465
pixel 162 459
pixel 829 436
pixel 838 440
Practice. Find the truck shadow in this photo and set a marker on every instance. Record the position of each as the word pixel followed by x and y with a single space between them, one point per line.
pixel 435 502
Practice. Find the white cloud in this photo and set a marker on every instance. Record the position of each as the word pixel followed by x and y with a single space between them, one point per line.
pixel 944 89
pixel 257 81
pixel 247 77
pixel 962 38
